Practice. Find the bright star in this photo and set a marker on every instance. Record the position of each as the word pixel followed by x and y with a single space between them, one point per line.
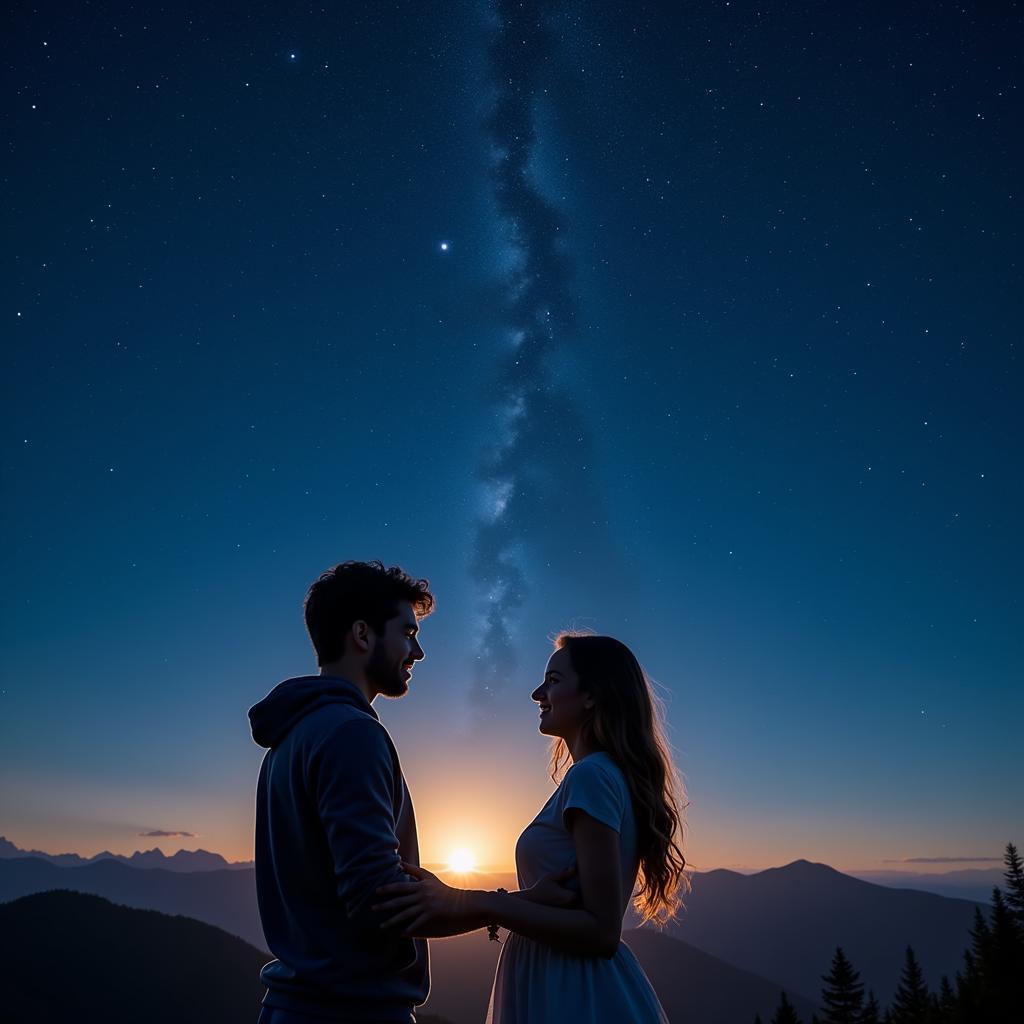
pixel 444 247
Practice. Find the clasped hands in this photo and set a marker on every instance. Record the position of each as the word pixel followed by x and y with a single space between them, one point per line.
pixel 428 908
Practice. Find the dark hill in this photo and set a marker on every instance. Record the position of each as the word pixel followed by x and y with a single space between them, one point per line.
pixel 69 956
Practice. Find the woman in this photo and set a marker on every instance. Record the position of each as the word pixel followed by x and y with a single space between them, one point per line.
pixel 614 816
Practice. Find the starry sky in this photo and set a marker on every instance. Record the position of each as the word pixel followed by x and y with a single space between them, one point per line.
pixel 692 324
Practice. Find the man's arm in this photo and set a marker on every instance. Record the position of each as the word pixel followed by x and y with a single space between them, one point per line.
pixel 354 787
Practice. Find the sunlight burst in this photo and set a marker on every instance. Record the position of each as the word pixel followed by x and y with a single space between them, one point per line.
pixel 461 860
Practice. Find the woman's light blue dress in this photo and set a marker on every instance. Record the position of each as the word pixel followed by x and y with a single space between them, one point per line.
pixel 540 984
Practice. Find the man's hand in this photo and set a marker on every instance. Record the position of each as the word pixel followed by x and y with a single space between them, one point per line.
pixel 426 908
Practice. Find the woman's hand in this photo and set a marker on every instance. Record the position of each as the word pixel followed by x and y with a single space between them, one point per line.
pixel 549 890
pixel 424 907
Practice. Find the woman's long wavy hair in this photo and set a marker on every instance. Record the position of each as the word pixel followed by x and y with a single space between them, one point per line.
pixel 626 722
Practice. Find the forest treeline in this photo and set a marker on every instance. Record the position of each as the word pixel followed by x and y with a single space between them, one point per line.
pixel 989 989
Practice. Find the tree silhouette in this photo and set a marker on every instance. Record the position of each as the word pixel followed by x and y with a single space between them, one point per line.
pixel 990 989
pixel 843 994
pixel 1004 987
pixel 946 1005
pixel 911 1003
pixel 1014 876
pixel 872 1012
pixel 784 1013
pixel 971 985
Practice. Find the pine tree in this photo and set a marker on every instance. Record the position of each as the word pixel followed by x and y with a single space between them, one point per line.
pixel 1014 908
pixel 991 988
pixel 946 1004
pixel 843 994
pixel 1005 987
pixel 972 984
pixel 1014 876
pixel 784 1013
pixel 911 1002
pixel 968 990
pixel 980 953
pixel 872 1012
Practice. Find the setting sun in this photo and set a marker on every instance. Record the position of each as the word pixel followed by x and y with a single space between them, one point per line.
pixel 461 860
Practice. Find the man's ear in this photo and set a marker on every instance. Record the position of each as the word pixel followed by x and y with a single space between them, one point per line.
pixel 360 633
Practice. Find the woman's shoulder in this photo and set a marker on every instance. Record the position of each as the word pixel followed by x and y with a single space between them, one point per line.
pixel 595 784
pixel 599 766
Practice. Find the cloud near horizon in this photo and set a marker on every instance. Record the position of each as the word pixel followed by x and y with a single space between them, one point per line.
pixel 944 860
pixel 159 833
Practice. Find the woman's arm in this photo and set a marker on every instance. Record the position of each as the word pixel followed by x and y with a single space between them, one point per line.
pixel 429 908
pixel 594 929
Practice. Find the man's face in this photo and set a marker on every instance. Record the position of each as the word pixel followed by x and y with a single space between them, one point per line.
pixel 395 652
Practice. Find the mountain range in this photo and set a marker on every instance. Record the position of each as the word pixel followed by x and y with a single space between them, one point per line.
pixel 226 899
pixel 785 924
pixel 764 932
pixel 970 884
pixel 183 860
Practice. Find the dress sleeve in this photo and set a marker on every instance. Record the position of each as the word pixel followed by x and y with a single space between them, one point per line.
pixel 597 789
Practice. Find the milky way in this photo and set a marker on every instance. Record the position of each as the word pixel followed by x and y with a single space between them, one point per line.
pixel 536 474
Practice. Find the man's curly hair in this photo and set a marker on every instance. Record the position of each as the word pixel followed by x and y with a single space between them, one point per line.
pixel 352 591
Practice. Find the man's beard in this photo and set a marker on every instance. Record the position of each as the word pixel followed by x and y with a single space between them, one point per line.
pixel 385 676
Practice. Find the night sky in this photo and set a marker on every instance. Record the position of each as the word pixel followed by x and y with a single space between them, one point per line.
pixel 695 324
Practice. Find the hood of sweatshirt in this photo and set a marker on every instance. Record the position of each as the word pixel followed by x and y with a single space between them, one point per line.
pixel 295 698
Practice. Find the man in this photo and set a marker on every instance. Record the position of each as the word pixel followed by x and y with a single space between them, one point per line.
pixel 334 820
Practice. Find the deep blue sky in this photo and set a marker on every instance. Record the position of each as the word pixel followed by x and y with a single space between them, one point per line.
pixel 771 436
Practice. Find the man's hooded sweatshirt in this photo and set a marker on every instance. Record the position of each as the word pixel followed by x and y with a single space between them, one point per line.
pixel 333 822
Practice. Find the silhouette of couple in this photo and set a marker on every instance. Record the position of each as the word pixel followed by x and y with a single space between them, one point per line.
pixel 344 903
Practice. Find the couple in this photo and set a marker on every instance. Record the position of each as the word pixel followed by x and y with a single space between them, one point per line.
pixel 344 903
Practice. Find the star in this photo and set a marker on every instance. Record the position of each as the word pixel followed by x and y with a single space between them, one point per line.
pixel 444 246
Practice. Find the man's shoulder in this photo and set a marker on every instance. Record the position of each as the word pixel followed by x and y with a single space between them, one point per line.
pixel 340 712
pixel 345 726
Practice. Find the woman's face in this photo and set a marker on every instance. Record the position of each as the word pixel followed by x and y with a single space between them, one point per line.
pixel 563 705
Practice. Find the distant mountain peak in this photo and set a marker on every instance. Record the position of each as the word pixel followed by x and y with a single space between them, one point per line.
pixel 181 860
pixel 803 865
